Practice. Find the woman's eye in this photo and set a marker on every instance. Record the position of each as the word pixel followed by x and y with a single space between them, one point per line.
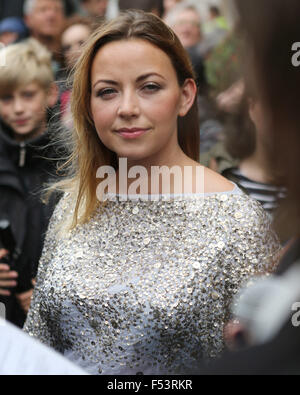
pixel 106 93
pixel 151 88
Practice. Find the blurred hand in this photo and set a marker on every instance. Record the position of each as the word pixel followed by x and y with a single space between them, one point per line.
pixel 24 300
pixel 7 277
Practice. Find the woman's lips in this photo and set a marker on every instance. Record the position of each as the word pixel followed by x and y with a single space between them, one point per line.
pixel 131 133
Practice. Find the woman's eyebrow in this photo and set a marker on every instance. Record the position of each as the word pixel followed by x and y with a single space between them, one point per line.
pixel 110 82
pixel 145 76
pixel 139 79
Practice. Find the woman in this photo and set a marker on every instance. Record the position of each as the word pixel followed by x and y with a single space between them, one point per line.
pixel 142 284
pixel 243 155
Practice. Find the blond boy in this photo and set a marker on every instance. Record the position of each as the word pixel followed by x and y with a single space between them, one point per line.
pixel 27 91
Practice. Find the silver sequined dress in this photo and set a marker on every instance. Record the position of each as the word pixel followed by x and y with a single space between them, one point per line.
pixel 145 286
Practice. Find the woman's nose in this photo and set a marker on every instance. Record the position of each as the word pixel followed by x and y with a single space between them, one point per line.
pixel 129 105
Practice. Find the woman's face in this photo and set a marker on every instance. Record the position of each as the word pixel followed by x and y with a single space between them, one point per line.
pixel 72 40
pixel 136 100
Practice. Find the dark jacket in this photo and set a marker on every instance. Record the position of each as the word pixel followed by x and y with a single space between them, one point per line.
pixel 24 168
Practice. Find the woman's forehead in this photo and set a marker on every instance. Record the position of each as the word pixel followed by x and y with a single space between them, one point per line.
pixel 131 56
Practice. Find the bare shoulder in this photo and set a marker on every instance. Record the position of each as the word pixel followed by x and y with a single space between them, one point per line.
pixel 212 181
pixel 215 183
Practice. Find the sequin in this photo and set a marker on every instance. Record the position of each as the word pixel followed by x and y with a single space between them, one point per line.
pixel 221 245
pixel 155 298
pixel 238 215
pixel 223 198
pixel 135 210
pixel 215 296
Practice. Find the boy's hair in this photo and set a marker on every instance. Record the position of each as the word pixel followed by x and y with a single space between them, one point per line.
pixel 25 62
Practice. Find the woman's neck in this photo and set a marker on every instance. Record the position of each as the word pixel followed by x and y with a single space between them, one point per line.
pixel 158 176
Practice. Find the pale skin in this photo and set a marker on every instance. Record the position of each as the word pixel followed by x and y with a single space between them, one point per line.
pixel 25 111
pixel 72 40
pixel 145 95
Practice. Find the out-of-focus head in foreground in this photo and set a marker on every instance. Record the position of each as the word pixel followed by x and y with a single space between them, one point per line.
pixel 272 33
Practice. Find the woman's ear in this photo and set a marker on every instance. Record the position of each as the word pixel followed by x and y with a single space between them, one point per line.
pixel 52 95
pixel 188 94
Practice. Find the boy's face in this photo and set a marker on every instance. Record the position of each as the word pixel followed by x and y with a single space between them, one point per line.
pixel 25 111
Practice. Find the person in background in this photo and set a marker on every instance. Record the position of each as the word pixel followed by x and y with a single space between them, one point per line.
pixel 168 5
pixel 225 90
pixel 152 6
pixel 185 20
pixel 75 33
pixel 14 8
pixel 12 30
pixel 95 9
pixel 242 156
pixel 27 91
pixel 45 20
pixel 216 23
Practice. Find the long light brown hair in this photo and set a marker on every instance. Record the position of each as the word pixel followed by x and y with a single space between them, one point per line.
pixel 88 152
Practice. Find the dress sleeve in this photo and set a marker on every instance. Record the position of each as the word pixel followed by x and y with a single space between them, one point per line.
pixel 36 322
pixel 255 248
